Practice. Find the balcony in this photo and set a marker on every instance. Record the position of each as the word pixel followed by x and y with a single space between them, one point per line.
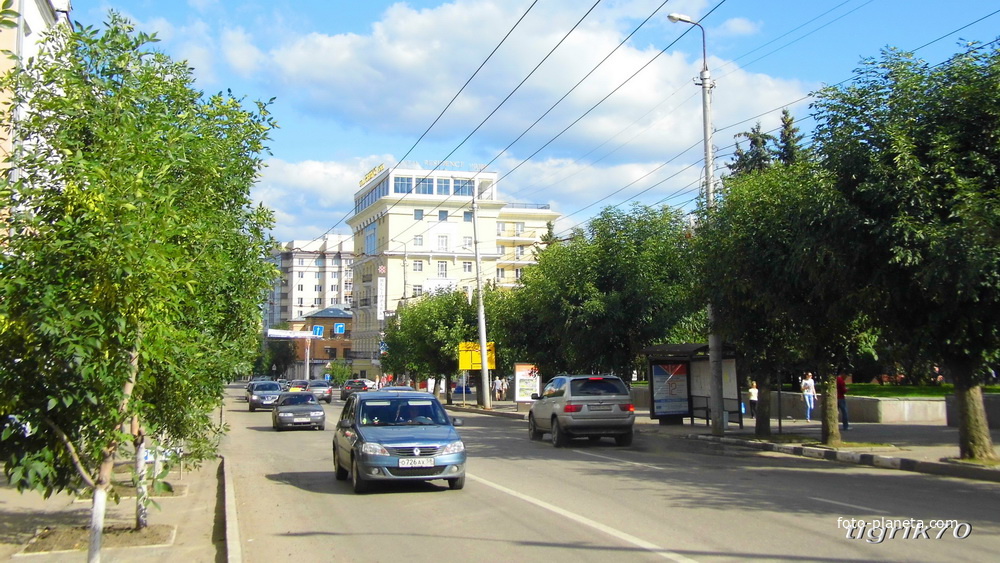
pixel 366 278
pixel 516 234
pixel 358 355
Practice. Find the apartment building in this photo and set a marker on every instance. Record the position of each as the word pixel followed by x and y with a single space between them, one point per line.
pixel 315 274
pixel 414 234
pixel 334 346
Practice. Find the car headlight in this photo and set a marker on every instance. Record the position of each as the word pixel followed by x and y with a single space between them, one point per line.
pixel 316 413
pixel 454 448
pixel 371 448
pixel 285 414
pixel 254 397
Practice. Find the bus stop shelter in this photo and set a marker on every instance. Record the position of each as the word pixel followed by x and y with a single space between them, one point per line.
pixel 680 383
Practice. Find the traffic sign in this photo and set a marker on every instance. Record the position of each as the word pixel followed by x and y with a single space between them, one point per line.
pixel 470 358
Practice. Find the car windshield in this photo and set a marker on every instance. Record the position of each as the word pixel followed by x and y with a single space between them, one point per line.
pixel 318 384
pixel 597 386
pixel 298 400
pixel 399 412
pixel 267 386
pixel 299 383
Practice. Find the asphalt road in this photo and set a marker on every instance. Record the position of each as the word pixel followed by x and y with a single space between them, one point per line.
pixel 662 498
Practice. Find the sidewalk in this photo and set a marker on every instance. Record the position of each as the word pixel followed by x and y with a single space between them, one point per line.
pixel 918 447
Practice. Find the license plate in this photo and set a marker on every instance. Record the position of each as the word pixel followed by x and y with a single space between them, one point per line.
pixel 600 407
pixel 300 419
pixel 416 462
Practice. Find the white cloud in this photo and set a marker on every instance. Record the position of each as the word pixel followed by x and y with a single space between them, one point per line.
pixel 240 52
pixel 737 26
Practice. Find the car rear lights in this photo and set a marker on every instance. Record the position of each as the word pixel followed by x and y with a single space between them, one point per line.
pixel 627 407
pixel 570 407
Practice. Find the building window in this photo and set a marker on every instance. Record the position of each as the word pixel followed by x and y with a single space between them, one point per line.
pixel 467 242
pixel 467 216
pixel 425 186
pixel 467 267
pixel 348 285
pixel 500 227
pixel 501 273
pixel 517 273
pixel 442 216
pixel 463 187
pixel 300 287
pixel 318 301
pixel 418 290
pixel 302 261
pixel 402 184
pixel 349 300
pixel 319 261
pixel 442 242
pixel 298 301
pixel 333 301
pixel 418 265
pixel 333 288
pixel 319 288
pixel 518 228
pixel 418 240
pixel 302 274
pixel 442 269
pixel 418 214
pixel 500 249
pixel 319 275
pixel 443 186
pixel 334 275
pixel 519 251
pixel 331 352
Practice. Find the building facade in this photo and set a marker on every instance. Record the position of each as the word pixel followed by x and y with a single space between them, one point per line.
pixel 334 346
pixel 415 232
pixel 315 274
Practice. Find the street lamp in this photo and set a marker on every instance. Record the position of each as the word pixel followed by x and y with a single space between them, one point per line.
pixel 714 340
pixel 484 381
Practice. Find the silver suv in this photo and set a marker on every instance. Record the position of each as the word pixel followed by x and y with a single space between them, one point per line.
pixel 573 406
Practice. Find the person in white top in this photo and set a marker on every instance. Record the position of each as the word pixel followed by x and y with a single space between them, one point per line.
pixel 753 399
pixel 809 394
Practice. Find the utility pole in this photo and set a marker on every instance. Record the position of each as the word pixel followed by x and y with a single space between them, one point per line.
pixel 484 382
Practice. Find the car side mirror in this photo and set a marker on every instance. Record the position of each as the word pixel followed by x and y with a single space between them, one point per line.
pixel 456 421
pixel 344 423
pixel 535 397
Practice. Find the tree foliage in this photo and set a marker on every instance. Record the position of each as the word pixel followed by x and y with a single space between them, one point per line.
pixel 134 269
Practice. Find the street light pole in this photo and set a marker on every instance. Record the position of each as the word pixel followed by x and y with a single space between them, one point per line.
pixel 484 380
pixel 716 404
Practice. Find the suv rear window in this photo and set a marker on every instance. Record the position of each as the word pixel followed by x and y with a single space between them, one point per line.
pixel 597 386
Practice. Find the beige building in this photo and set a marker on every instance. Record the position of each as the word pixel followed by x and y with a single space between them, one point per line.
pixel 315 274
pixel 413 234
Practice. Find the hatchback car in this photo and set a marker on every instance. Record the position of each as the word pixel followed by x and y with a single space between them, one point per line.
pixel 397 436
pixel 298 410
pixel 321 390
pixel 574 406
pixel 263 395
pixel 354 386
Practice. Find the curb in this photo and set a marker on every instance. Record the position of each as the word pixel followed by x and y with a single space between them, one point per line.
pixel 946 469
pixel 234 550
pixel 477 410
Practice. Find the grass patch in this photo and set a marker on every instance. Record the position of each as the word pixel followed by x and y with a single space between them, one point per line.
pixel 890 391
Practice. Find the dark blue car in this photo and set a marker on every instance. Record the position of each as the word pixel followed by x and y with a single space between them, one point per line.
pixel 397 435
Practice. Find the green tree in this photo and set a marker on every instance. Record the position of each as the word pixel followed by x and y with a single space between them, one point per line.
pixel 131 282
pixel 789 143
pixel 913 149
pixel 757 157
pixel 593 302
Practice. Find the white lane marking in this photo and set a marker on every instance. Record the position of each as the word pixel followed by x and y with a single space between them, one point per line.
pixel 581 452
pixel 849 505
pixel 666 554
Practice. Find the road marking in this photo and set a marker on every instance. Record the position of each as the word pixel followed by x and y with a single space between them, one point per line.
pixel 849 505
pixel 650 466
pixel 666 554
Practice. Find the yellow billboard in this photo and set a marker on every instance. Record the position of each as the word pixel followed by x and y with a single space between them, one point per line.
pixel 469 356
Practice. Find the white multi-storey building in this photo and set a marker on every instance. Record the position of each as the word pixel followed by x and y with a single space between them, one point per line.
pixel 413 234
pixel 315 274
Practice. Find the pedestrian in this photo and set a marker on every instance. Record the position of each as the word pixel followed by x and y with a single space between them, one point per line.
pixel 753 399
pixel 496 388
pixel 809 394
pixel 842 399
pixel 503 389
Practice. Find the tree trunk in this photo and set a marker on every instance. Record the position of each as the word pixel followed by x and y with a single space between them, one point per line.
pixel 449 399
pixel 99 506
pixel 141 495
pixel 762 423
pixel 974 440
pixel 830 432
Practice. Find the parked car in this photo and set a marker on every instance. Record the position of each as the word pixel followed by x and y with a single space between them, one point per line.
pixel 397 435
pixel 321 389
pixel 283 383
pixel 354 386
pixel 573 406
pixel 296 385
pixel 263 395
pixel 249 388
pixel 397 388
pixel 298 410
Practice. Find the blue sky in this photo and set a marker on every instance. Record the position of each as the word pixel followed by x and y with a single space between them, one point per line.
pixel 357 82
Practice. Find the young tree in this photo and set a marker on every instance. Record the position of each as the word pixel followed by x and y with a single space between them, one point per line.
pixel 130 284
pixel 757 157
pixel 789 143
pixel 913 149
